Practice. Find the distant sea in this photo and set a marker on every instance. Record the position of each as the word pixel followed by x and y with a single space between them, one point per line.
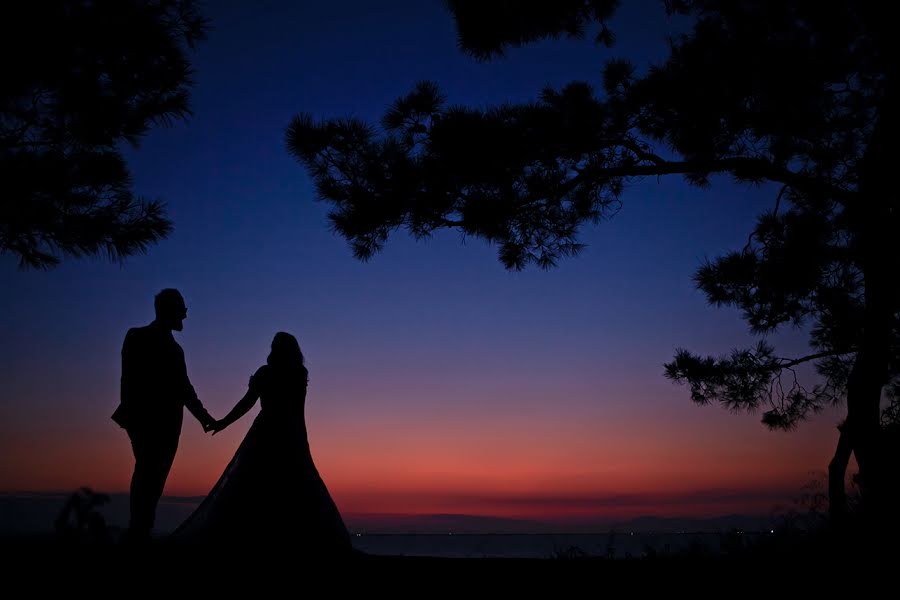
pixel 546 545
pixel 457 536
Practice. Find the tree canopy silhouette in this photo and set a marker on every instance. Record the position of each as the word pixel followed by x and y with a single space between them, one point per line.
pixel 785 93
pixel 79 78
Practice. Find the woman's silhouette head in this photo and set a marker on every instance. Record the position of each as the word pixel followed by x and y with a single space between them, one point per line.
pixel 286 352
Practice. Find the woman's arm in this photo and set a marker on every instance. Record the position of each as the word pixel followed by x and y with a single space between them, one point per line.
pixel 240 409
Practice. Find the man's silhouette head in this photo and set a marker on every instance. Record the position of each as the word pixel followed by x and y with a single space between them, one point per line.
pixel 170 309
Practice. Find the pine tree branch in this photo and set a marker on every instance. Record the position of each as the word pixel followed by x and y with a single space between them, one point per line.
pixel 739 165
pixel 799 361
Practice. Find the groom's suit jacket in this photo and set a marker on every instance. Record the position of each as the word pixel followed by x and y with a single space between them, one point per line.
pixel 155 384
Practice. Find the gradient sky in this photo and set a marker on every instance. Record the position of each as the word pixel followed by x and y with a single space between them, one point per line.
pixel 440 383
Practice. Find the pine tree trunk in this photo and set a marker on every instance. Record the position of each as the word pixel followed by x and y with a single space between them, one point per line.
pixel 837 471
pixel 875 216
pixel 863 412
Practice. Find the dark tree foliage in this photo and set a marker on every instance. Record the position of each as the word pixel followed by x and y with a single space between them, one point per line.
pixel 79 78
pixel 487 28
pixel 518 186
pixel 785 93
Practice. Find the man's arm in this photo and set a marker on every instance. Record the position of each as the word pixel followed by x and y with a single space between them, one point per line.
pixel 130 364
pixel 128 384
pixel 193 404
pixel 191 401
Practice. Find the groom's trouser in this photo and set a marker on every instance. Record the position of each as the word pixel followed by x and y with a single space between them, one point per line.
pixel 154 452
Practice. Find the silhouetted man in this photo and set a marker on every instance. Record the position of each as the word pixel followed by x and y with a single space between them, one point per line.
pixel 155 388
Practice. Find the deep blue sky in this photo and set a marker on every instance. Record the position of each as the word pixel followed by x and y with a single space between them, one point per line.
pixel 435 373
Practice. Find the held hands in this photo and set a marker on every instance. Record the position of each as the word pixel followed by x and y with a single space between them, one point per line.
pixel 215 426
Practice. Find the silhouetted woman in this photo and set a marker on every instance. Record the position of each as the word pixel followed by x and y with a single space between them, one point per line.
pixel 271 490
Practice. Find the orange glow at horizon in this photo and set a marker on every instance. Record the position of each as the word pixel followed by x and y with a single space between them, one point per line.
pixel 533 467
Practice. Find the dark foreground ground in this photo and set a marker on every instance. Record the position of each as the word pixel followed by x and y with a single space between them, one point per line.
pixel 42 566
